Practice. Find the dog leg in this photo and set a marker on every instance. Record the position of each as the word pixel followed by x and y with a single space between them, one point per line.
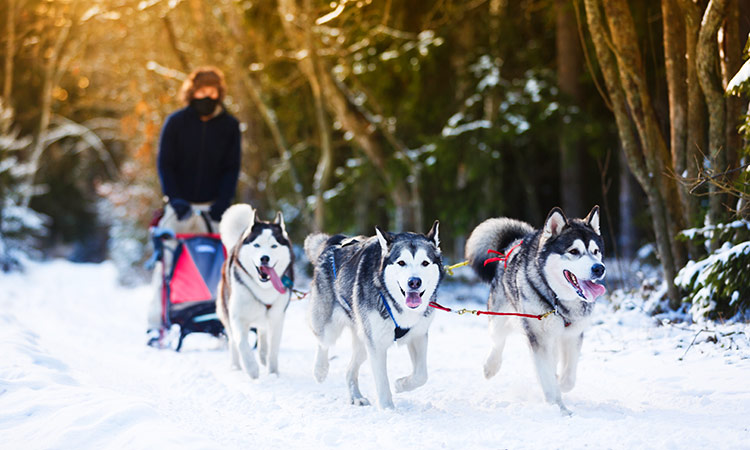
pixel 499 329
pixel 418 353
pixel 359 355
pixel 321 364
pixel 570 349
pixel 378 361
pixel 545 360
pixel 240 333
pixel 262 345
pixel 275 329
pixel 235 355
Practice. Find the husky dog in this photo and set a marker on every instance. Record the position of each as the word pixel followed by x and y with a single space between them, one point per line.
pixel 556 269
pixel 379 287
pixel 251 293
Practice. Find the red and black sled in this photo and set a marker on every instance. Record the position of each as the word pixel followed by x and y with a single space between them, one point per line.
pixel 190 283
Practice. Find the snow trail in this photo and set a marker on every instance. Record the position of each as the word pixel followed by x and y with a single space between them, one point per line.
pixel 76 373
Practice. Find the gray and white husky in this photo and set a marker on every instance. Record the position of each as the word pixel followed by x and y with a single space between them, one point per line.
pixel 558 269
pixel 379 287
pixel 252 294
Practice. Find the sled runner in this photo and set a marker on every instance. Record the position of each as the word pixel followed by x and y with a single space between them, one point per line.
pixel 190 282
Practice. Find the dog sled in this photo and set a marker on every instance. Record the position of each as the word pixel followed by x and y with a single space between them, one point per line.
pixel 190 279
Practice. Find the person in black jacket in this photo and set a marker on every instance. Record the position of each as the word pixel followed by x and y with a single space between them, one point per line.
pixel 199 151
pixel 198 164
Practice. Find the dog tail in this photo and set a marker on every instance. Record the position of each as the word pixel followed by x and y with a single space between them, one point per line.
pixel 234 222
pixel 492 234
pixel 314 246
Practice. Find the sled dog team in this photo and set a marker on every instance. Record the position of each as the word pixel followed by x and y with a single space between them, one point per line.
pixel 380 288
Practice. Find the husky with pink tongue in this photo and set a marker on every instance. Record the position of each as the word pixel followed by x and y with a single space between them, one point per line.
pixel 255 286
pixel 555 270
pixel 379 288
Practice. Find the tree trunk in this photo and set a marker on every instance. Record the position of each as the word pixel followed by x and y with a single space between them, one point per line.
pixel 730 64
pixel 269 116
pixel 364 131
pixel 646 178
pixel 626 232
pixel 325 163
pixel 653 145
pixel 10 49
pixel 569 63
pixel 51 68
pixel 707 62
pixel 676 71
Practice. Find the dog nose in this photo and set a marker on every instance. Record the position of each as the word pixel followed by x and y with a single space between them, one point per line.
pixel 264 259
pixel 598 270
pixel 414 283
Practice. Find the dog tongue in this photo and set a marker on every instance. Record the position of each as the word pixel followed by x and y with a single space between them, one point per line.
pixel 277 284
pixel 592 290
pixel 413 299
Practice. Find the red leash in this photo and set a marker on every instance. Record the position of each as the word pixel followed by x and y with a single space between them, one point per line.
pixel 476 312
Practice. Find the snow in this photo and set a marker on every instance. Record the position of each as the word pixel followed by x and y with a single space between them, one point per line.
pixel 76 373
pixel 740 78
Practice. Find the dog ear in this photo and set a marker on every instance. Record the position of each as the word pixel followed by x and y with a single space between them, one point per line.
pixel 554 224
pixel 256 219
pixel 433 233
pixel 592 220
pixel 385 238
pixel 279 220
pixel 251 220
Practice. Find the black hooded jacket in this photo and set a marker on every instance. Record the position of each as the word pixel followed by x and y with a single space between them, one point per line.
pixel 199 161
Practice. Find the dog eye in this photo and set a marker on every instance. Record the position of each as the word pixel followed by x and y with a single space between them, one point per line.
pixel 425 263
pixel 596 251
pixel 574 252
pixel 274 246
pixel 401 263
pixel 256 245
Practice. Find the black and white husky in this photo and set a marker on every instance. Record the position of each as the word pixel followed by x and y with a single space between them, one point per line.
pixel 253 291
pixel 379 287
pixel 558 269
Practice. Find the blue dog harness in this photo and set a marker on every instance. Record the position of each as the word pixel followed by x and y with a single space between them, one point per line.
pixel 398 332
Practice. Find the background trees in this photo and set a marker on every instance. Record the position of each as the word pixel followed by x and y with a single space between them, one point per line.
pixel 358 113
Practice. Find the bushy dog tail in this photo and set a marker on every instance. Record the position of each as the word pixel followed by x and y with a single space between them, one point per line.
pixel 234 222
pixel 314 246
pixel 492 234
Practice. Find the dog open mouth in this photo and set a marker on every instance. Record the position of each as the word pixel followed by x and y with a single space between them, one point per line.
pixel 267 273
pixel 413 298
pixel 586 289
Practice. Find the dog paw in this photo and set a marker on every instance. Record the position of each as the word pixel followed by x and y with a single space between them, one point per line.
pixel 408 383
pixel 321 371
pixel 253 372
pixel 360 401
pixel 567 383
pixel 387 405
pixel 565 411
pixel 490 370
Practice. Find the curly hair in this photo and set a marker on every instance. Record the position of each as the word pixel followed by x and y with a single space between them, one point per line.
pixel 203 76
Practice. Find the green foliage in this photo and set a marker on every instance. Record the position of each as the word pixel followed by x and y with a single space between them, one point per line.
pixel 716 287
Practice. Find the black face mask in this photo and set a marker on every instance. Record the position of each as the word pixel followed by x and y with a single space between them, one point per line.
pixel 204 106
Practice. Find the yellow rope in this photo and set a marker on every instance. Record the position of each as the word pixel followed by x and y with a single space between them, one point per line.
pixel 449 269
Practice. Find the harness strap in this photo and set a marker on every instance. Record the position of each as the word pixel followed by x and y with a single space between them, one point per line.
pixel 503 256
pixel 206 219
pixel 399 332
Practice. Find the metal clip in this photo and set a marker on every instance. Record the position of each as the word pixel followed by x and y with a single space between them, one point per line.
pixel 449 269
pixel 543 316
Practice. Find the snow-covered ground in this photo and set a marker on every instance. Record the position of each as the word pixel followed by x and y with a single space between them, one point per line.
pixel 75 373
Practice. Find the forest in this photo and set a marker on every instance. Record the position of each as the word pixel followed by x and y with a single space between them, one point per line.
pixel 357 113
